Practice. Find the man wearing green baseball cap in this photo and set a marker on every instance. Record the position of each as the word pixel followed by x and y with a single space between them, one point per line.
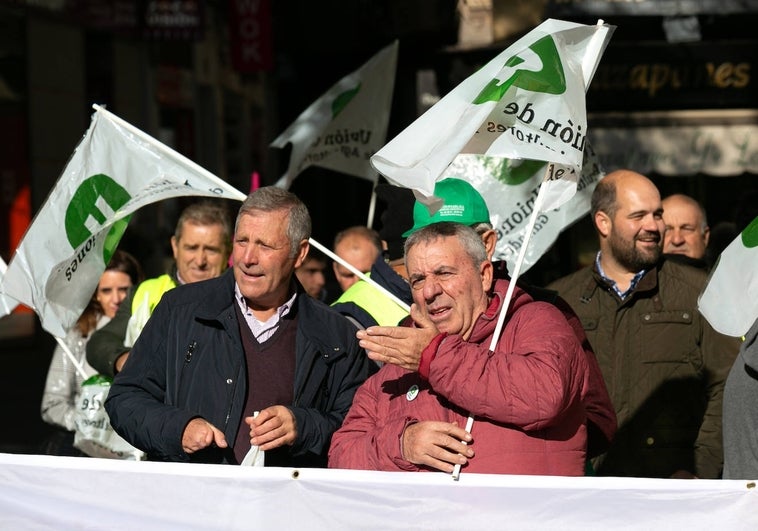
pixel 462 203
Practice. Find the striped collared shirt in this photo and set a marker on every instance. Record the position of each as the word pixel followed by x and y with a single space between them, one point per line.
pixel 612 283
pixel 262 330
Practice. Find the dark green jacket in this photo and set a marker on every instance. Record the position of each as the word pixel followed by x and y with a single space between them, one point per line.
pixel 664 367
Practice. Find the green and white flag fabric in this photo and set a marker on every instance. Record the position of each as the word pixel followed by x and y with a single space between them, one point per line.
pixel 730 299
pixel 510 188
pixel 527 103
pixel 115 170
pixel 347 125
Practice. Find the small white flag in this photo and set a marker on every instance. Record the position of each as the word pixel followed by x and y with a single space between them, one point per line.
pixel 527 103
pixel 730 299
pixel 115 170
pixel 347 125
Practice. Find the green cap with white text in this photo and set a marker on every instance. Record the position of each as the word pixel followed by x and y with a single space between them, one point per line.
pixel 461 203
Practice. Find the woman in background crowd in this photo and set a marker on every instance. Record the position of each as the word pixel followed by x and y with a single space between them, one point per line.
pixel 64 382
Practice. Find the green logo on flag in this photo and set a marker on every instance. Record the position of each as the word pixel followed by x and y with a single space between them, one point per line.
pixel 341 101
pixel 750 235
pixel 513 175
pixel 537 69
pixel 93 203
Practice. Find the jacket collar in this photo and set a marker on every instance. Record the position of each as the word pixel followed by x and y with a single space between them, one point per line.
pixel 485 324
pixel 648 281
pixel 219 297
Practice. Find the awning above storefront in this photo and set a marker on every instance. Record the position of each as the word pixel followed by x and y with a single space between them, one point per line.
pixel 649 7
pixel 678 143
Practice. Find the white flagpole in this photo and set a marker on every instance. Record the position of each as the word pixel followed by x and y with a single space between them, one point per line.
pixel 360 274
pixel 537 207
pixel 372 206
pixel 78 366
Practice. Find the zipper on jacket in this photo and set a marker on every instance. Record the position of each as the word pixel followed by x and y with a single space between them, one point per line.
pixel 187 359
pixel 190 350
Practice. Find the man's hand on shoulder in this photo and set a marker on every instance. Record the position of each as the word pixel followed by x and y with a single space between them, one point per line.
pixel 399 345
pixel 200 434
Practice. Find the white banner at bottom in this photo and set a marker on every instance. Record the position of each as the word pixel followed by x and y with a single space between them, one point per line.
pixel 43 492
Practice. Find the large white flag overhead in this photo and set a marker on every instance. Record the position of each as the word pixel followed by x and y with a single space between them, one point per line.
pixel 527 103
pixel 115 170
pixel 347 125
pixel 730 299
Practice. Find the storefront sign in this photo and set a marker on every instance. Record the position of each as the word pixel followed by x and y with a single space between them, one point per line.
pixel 649 7
pixel 250 35
pixel 173 20
pixel 658 76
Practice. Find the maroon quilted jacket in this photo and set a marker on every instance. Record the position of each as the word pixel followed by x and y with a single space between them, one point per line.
pixel 527 397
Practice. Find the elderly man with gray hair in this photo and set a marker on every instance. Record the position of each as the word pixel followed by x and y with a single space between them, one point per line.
pixel 215 352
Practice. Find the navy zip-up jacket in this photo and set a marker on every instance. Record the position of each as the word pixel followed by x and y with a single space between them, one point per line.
pixel 189 362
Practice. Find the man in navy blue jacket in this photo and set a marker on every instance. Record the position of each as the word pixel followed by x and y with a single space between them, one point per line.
pixel 215 352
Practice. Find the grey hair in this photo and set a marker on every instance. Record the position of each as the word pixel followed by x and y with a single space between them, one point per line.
pixel 206 213
pixel 468 237
pixel 482 227
pixel 272 199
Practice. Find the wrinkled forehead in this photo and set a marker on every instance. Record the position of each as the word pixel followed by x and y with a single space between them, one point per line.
pixel 681 213
pixel 436 252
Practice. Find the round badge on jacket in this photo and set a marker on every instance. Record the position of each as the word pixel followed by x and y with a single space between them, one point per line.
pixel 412 393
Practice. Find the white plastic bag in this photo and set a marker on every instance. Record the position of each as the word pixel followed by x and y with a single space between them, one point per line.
pixel 94 435
pixel 255 456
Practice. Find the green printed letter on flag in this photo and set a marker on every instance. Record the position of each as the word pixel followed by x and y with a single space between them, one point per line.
pixel 114 170
pixel 526 103
pixel 347 125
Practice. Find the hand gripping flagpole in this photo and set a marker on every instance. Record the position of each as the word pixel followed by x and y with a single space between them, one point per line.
pixel 512 284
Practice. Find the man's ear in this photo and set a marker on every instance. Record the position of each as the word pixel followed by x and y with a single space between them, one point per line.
pixel 603 223
pixel 490 240
pixel 174 246
pixel 302 253
pixel 486 270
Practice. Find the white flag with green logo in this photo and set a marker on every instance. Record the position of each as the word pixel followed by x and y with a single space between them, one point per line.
pixel 510 188
pixel 527 103
pixel 730 299
pixel 115 170
pixel 348 124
